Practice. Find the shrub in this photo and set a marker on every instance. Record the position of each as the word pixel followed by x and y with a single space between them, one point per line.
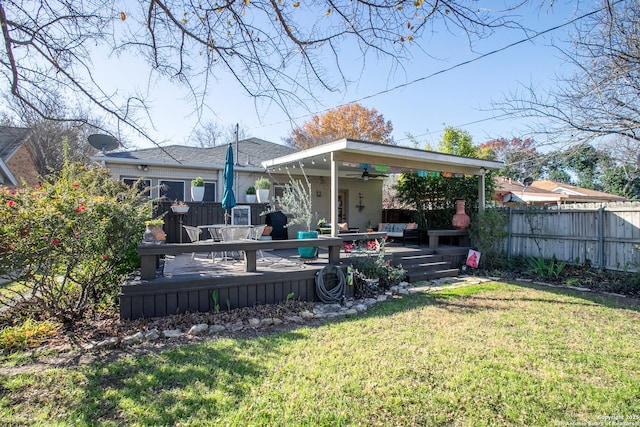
pixel 251 190
pixel 197 182
pixel 489 231
pixel 369 265
pixel 262 184
pixel 70 241
pixel 29 334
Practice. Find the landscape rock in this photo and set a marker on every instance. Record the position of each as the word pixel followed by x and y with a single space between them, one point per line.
pixel 268 321
pixel 307 315
pixel 237 326
pixel 254 322
pixel 198 329
pixel 109 342
pixel 132 339
pixel 152 334
pixel 217 328
pixel 294 319
pixel 172 333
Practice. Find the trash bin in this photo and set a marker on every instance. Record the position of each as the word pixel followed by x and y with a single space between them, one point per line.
pixel 277 220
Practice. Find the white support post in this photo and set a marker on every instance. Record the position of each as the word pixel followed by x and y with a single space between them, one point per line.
pixel 481 193
pixel 334 197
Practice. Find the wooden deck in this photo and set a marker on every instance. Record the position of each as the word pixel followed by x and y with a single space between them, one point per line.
pixel 180 284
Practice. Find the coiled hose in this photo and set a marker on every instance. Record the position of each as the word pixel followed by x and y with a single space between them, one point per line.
pixel 330 275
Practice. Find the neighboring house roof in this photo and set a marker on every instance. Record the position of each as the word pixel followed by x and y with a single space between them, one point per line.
pixel 11 140
pixel 250 152
pixel 546 191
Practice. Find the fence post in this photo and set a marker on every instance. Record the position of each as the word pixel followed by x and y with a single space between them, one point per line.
pixel 509 234
pixel 600 238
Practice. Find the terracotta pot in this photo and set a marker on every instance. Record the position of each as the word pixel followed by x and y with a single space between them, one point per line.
pixel 461 220
pixel 154 234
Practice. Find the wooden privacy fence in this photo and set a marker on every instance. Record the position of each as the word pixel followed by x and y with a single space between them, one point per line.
pixel 607 235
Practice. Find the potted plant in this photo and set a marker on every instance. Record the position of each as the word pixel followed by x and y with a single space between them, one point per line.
pixel 262 186
pixel 250 195
pixel 197 189
pixel 296 200
pixel 154 233
pixel 179 207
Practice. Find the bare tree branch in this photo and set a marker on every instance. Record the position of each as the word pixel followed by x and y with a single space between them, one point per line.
pixel 280 51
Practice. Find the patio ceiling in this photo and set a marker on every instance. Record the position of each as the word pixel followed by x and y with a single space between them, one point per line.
pixel 350 157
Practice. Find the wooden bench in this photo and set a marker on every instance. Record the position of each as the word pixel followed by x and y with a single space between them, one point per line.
pixel 434 237
pixel 149 253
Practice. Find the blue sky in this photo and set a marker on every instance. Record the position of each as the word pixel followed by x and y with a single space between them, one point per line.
pixel 460 97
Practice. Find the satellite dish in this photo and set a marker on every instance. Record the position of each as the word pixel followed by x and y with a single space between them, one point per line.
pixel 103 142
pixel 527 181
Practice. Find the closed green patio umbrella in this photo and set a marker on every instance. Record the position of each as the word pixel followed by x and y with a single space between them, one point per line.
pixel 228 198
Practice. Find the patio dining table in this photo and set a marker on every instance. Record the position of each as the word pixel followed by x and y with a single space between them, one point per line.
pixel 214 229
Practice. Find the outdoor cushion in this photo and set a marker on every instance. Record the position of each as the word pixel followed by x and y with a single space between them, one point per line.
pixel 343 226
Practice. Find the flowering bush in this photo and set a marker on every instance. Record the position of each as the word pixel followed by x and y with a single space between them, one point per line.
pixel 374 266
pixel 69 241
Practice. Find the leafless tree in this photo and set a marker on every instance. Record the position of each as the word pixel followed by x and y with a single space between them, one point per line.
pixel 282 51
pixel 210 134
pixel 54 140
pixel 602 97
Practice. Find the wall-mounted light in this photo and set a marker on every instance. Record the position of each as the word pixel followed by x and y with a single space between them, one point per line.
pixel 318 193
pixel 143 167
pixel 360 206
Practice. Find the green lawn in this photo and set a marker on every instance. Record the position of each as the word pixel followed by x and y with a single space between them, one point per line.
pixel 491 354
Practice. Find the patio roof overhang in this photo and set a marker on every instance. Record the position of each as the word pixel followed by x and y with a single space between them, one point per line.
pixel 348 158
pixel 351 155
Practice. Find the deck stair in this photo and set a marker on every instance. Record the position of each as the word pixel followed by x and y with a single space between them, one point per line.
pixel 425 266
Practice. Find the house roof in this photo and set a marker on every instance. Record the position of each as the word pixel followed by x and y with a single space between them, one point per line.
pixel 352 157
pixel 547 191
pixel 11 139
pixel 250 152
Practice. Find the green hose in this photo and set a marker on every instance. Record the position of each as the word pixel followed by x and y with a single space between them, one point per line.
pixel 330 275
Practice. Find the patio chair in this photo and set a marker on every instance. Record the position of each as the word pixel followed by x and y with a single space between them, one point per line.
pixel 256 233
pixel 194 236
pixel 229 234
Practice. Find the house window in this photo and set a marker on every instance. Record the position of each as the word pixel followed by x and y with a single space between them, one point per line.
pixel 209 192
pixel 278 191
pixel 144 185
pixel 172 190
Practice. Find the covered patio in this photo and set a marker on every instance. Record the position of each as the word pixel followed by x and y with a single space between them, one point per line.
pixel 348 158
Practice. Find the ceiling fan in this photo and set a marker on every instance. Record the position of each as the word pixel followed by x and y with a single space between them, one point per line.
pixel 365 175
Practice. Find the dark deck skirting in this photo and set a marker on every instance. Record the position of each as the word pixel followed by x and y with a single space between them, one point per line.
pixel 165 296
